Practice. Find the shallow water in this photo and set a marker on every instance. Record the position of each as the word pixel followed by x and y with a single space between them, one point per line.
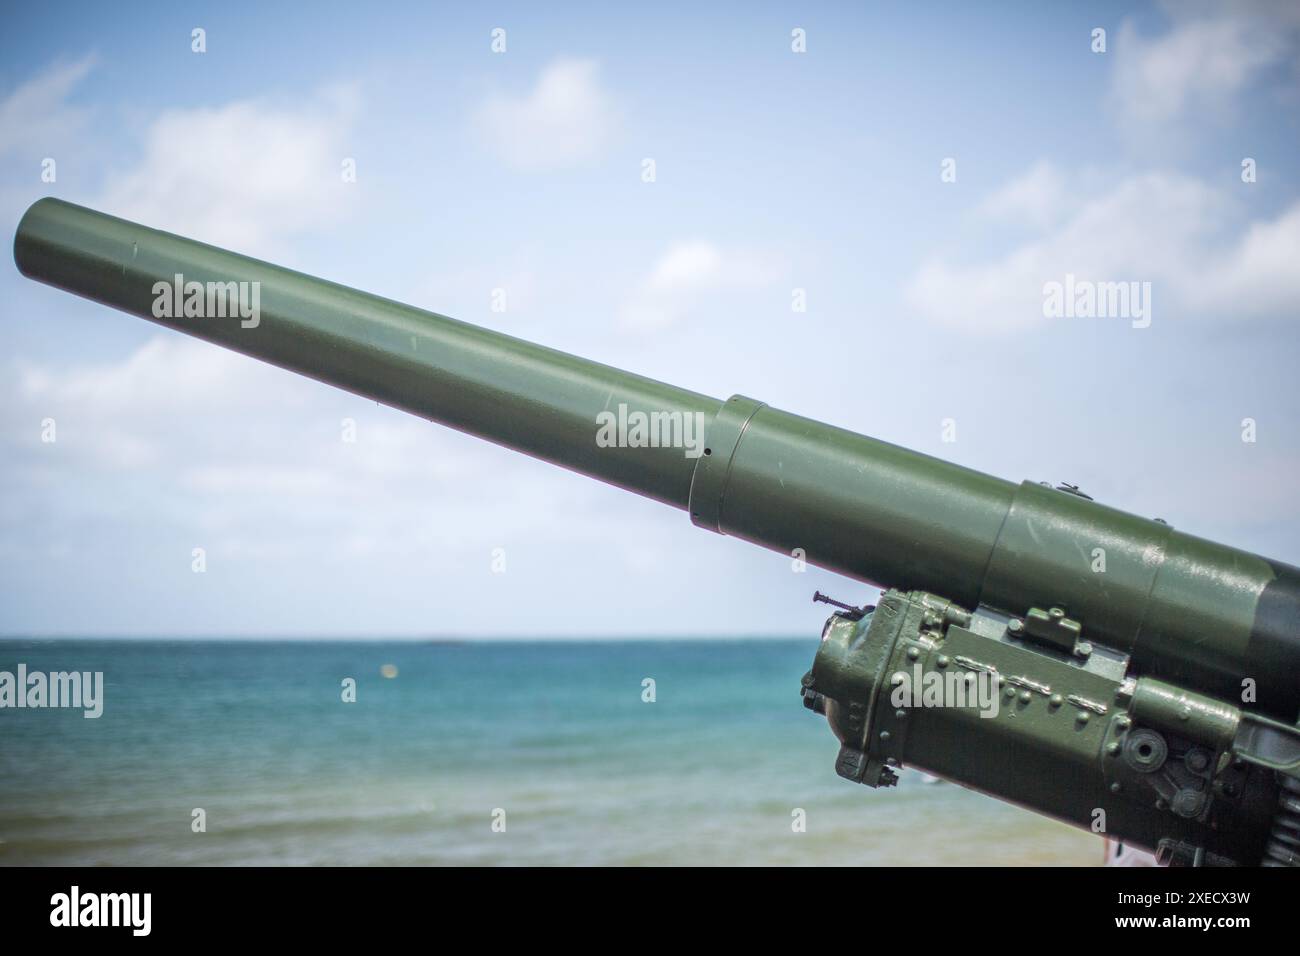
pixel 555 734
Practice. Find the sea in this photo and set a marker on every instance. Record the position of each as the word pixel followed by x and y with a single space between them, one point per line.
pixel 433 753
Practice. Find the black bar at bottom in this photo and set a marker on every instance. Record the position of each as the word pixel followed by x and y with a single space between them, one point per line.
pixel 333 906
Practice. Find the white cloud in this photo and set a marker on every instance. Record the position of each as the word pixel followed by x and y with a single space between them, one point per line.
pixel 686 264
pixel 170 399
pixel 247 447
pixel 1168 229
pixel 242 175
pixel 36 117
pixel 1188 239
pixel 567 119
pixel 688 271
pixel 1038 197
pixel 125 415
pixel 1208 57
pixel 1261 274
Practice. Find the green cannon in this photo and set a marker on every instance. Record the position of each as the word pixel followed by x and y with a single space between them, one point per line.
pixel 1031 643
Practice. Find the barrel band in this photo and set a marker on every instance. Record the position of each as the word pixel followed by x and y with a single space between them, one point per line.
pixel 713 468
pixel 1275 643
pixel 1047 552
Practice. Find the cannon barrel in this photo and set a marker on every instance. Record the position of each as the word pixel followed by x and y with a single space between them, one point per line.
pixel 1184 609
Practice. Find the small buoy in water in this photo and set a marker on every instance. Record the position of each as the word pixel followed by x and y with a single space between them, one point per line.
pixel 389 671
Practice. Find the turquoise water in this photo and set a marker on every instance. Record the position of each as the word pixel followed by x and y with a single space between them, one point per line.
pixel 554 734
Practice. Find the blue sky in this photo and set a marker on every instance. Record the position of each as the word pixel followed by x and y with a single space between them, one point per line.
pixel 522 171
